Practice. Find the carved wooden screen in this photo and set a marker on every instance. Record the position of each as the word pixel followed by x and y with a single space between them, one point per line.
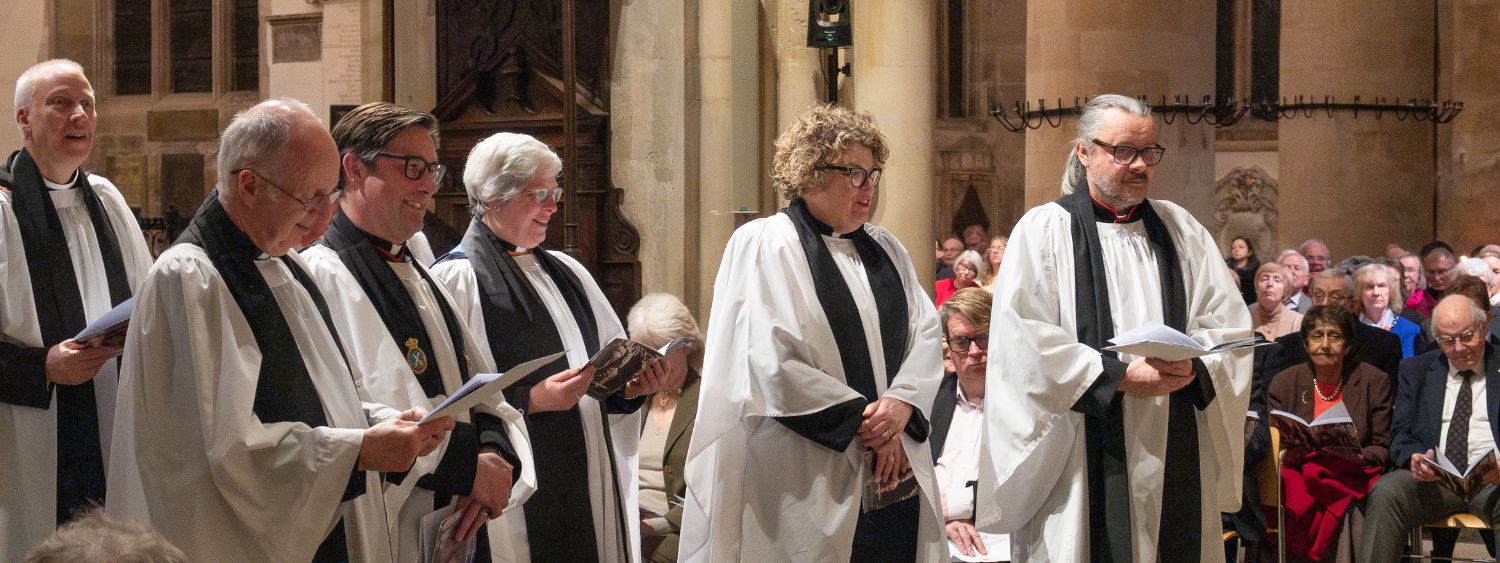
pixel 500 68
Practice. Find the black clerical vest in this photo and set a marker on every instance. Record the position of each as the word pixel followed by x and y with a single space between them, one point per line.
pixel 559 517
pixel 59 309
pixel 1110 537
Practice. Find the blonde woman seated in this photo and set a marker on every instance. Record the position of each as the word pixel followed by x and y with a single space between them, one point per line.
pixel 1380 304
pixel 993 257
pixel 1269 316
pixel 967 269
pixel 655 320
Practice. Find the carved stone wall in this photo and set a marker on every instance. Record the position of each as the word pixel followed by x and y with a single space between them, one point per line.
pixel 1245 206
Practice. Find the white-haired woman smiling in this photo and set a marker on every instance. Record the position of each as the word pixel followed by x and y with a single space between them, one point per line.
pixel 521 303
pixel 655 320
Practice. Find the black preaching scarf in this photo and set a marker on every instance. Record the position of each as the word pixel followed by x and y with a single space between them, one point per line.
pixel 1104 428
pixel 888 534
pixel 559 520
pixel 59 309
pixel 284 391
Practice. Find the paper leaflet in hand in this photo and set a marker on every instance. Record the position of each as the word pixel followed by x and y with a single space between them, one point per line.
pixel 1156 340
pixel 880 495
pixel 1333 431
pixel 484 386
pixel 623 360
pixel 1466 482
pixel 109 328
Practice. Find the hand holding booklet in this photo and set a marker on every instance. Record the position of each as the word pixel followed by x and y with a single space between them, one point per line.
pixel 1464 482
pixel 485 386
pixel 1156 340
pixel 623 360
pixel 1333 432
pixel 109 328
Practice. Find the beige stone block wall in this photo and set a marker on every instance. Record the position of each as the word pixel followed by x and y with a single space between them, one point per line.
pixel 25 42
pixel 1358 184
pixel 1468 212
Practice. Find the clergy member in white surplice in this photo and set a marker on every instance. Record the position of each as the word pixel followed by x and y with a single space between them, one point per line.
pixel 522 302
pixel 402 328
pixel 70 250
pixel 822 347
pixel 240 434
pixel 1093 457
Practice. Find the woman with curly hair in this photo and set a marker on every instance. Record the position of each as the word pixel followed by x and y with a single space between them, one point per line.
pixel 825 355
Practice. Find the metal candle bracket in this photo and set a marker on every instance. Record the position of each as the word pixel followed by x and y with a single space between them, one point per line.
pixel 1229 111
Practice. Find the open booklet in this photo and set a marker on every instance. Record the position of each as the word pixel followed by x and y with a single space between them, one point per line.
pixel 876 496
pixel 1156 340
pixel 1465 482
pixel 109 328
pixel 623 360
pixel 485 386
pixel 1333 431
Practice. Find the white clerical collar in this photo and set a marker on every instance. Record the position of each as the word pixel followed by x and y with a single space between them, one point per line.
pixel 55 186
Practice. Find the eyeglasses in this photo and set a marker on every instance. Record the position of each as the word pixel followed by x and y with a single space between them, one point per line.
pixel 1125 155
pixel 960 344
pixel 1334 297
pixel 416 167
pixel 856 174
pixel 309 204
pixel 1467 339
pixel 542 193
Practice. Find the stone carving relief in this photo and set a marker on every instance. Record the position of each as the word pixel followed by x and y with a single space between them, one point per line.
pixel 1245 206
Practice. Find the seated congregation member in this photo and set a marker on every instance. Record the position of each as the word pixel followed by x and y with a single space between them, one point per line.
pixel 1268 314
pixel 1380 306
pixel 958 423
pixel 1246 267
pixel 967 270
pixel 521 303
pixel 1319 487
pixel 993 257
pixel 1297 280
pixel 96 536
pixel 70 250
pixel 1446 406
pixel 403 330
pixel 823 348
pixel 239 431
pixel 656 320
pixel 1370 345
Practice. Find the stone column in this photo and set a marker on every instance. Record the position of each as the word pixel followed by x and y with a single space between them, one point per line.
pixel 894 79
pixel 1469 146
pixel 1082 48
pixel 1357 183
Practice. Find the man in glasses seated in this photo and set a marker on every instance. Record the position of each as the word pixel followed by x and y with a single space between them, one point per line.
pixel 1371 345
pixel 1099 456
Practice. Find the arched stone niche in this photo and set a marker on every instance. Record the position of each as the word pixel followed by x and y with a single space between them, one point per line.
pixel 1245 206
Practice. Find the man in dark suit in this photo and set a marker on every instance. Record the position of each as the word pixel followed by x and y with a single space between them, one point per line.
pixel 1441 402
pixel 1379 348
pixel 958 422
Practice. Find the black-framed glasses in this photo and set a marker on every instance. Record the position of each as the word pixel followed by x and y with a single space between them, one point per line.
pixel 857 175
pixel 416 167
pixel 541 195
pixel 1469 338
pixel 309 204
pixel 1125 155
pixel 960 344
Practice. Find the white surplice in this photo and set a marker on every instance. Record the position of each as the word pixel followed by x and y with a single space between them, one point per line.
pixel 757 491
pixel 387 378
pixel 510 540
pixel 190 457
pixel 1034 467
pixel 28 436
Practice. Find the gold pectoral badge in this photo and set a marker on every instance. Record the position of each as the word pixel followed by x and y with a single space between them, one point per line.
pixel 416 357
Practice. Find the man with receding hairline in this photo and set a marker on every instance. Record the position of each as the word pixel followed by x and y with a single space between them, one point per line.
pixel 70 250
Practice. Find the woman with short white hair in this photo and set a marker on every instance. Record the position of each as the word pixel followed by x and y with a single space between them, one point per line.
pixel 968 269
pixel 522 303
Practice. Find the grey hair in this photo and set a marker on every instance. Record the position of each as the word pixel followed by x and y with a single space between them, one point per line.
pixel 258 136
pixel 1396 299
pixel 1481 316
pixel 658 318
pixel 1476 267
pixel 26 84
pixel 1332 274
pixel 500 166
pixel 1090 122
pixel 974 260
pixel 1290 252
